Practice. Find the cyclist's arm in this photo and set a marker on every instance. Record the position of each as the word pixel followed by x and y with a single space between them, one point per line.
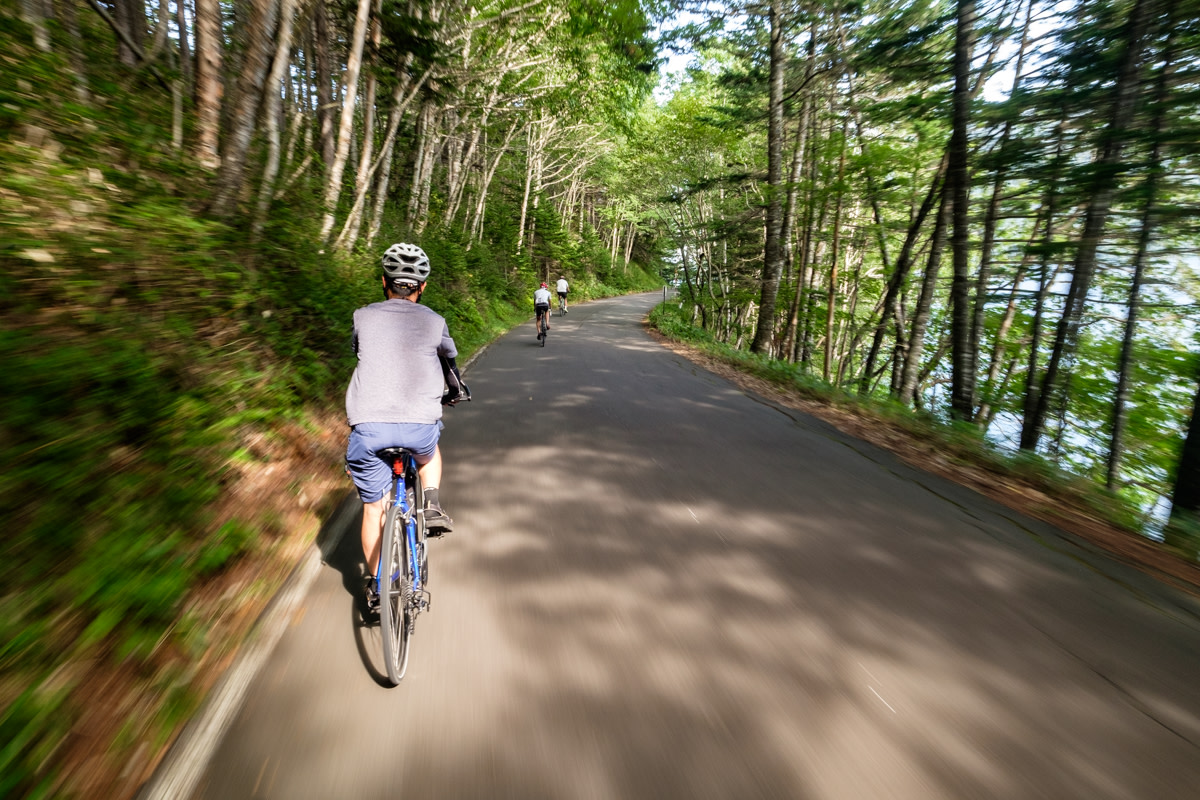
pixel 457 388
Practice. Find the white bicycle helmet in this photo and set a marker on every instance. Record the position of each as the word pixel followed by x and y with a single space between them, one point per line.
pixel 406 261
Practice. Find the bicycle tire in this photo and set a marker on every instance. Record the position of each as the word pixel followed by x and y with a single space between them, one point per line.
pixel 544 335
pixel 395 595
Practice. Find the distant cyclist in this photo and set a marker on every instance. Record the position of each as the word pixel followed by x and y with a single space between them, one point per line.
pixel 541 304
pixel 405 361
pixel 562 288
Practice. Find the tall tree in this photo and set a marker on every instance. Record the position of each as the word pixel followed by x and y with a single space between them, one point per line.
pixel 1103 186
pixel 256 61
pixel 1146 227
pixel 210 46
pixel 764 335
pixel 963 345
pixel 1183 528
pixel 333 185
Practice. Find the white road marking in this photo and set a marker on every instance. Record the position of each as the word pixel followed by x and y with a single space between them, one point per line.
pixel 885 702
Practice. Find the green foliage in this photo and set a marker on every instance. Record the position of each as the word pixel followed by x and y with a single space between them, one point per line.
pixel 669 319
pixel 1182 534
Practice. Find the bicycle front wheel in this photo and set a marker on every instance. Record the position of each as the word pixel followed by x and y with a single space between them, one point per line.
pixel 395 595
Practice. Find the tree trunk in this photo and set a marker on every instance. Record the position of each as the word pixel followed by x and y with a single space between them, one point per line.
pixel 209 48
pixel 458 182
pixel 1183 529
pixel 764 335
pixel 70 20
pixel 899 276
pixel 383 163
pixel 256 61
pixel 964 351
pixel 485 183
pixel 325 102
pixel 333 187
pixel 159 44
pixel 1103 188
pixel 366 152
pixel 1154 172
pixel 811 257
pixel 383 178
pixel 1046 281
pixel 362 176
pixel 832 294
pixel 847 336
pixel 185 54
pixel 272 111
pixel 999 349
pixel 130 16
pixel 431 148
pixel 916 342
pixel 991 217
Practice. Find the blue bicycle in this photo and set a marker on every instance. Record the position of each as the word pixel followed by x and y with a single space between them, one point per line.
pixel 403 564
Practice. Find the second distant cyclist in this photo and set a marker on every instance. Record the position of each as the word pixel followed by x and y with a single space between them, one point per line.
pixel 562 288
pixel 541 304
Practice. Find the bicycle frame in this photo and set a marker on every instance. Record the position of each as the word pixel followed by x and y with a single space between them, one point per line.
pixel 400 495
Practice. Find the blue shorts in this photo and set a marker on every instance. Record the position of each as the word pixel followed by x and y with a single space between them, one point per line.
pixel 371 474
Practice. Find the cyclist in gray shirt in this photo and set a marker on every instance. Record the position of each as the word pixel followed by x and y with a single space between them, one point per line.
pixel 405 362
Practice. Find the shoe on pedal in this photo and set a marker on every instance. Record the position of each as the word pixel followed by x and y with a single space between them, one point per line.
pixel 437 521
pixel 371 590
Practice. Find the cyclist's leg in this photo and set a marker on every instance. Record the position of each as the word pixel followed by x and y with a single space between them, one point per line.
pixel 371 477
pixel 422 440
pixel 437 521
pixel 372 527
pixel 431 470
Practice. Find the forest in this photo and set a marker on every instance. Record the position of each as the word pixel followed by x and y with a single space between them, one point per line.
pixel 979 211
pixel 983 214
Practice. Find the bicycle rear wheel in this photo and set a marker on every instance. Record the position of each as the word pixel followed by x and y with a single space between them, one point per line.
pixel 395 594
pixel 545 333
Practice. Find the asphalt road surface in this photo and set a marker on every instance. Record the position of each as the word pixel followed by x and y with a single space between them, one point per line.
pixel 662 587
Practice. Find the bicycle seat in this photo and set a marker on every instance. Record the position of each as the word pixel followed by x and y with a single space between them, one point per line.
pixel 392 453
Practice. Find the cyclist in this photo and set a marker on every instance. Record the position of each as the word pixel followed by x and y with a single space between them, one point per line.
pixel 405 359
pixel 541 304
pixel 562 288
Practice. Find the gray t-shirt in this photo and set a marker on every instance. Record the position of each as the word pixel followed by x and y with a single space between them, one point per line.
pixel 399 375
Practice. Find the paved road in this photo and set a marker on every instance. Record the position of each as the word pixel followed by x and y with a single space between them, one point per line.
pixel 660 587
